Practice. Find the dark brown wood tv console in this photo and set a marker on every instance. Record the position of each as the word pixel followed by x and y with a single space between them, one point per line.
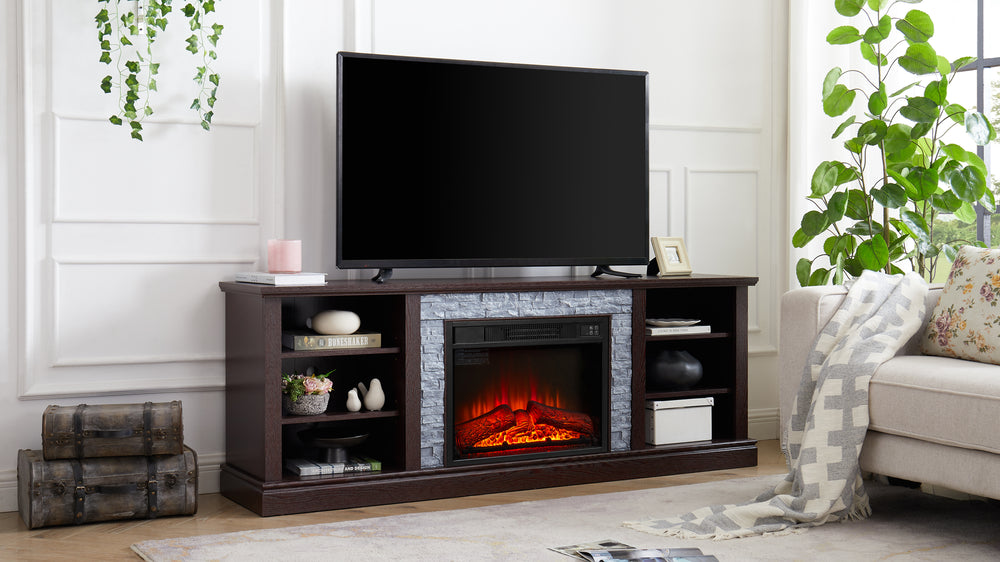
pixel 258 435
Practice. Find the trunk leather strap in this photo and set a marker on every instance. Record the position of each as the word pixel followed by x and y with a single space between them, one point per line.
pixel 79 492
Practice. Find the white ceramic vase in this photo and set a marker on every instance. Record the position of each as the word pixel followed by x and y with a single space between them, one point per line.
pixel 374 397
pixel 353 402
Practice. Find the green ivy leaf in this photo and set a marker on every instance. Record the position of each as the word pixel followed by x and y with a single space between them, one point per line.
pixel 916 26
pixel 192 42
pixel 873 253
pixel 836 207
pixel 878 33
pixel 115 120
pixel 106 84
pixel 196 104
pixel 189 10
pixel 208 6
pixel 869 54
pixel 214 79
pixel 800 239
pixel 205 125
pixel 890 196
pixel 920 58
pixel 814 222
pixel 136 135
pixel 873 131
pixel 802 268
pixel 849 8
pixel 979 128
pixel 840 129
pixel 843 35
pixel 878 101
pixel 937 91
pixel 105 57
pixel 920 110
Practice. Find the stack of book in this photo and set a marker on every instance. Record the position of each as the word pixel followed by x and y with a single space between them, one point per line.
pixel 281 279
pixel 675 326
pixel 304 467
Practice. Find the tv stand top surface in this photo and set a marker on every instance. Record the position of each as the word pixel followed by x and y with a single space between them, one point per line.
pixel 490 285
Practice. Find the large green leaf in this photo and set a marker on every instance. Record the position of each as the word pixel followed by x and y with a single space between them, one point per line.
pixel 878 100
pixel 849 8
pixel 878 5
pixel 840 128
pixel 831 80
pixel 878 33
pixel 839 100
pixel 890 196
pixel 923 183
pixel 868 53
pixel 873 253
pixel 873 131
pixel 843 35
pixel 979 128
pixel 819 277
pixel 920 58
pixel 966 213
pixel 916 26
pixel 814 222
pixel 800 239
pixel 969 183
pixel 858 205
pixel 937 91
pixel 956 113
pixel 916 226
pixel 824 179
pixel 897 139
pixel 802 268
pixel 920 110
pixel 836 207
pixel 946 201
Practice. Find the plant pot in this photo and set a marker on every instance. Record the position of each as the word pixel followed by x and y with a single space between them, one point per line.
pixel 306 405
pixel 671 369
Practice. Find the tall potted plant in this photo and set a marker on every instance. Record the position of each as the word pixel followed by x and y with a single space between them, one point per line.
pixel 876 208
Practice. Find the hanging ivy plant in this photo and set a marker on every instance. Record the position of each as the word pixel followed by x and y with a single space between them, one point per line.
pixel 127 31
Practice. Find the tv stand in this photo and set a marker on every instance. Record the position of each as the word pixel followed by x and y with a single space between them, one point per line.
pixel 606 270
pixel 383 274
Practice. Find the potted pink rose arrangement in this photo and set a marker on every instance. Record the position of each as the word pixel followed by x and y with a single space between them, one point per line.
pixel 306 395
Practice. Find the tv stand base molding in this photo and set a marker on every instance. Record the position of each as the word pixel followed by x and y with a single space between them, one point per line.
pixel 344 492
pixel 259 437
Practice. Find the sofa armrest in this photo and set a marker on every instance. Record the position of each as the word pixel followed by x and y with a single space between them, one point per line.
pixel 804 313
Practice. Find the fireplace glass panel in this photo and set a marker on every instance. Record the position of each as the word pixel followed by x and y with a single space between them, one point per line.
pixel 527 391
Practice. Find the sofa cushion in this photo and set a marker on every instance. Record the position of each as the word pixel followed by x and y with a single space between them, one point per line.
pixel 966 321
pixel 938 399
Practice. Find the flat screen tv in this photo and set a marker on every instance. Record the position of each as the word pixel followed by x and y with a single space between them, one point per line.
pixel 448 163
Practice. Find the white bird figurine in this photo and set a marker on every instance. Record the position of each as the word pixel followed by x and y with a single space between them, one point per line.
pixel 353 402
pixel 373 397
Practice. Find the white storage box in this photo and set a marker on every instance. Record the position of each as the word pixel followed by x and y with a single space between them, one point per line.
pixel 678 421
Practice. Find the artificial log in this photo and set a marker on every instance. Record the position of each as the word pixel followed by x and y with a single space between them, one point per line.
pixel 470 432
pixel 563 419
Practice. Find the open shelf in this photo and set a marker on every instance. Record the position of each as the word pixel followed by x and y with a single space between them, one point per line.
pixel 289 353
pixel 339 417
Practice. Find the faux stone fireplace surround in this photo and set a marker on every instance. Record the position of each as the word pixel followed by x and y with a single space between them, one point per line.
pixel 436 308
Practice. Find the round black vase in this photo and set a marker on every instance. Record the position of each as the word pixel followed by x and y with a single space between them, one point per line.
pixel 670 369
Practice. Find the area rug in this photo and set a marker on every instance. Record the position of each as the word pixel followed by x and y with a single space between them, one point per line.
pixel 905 525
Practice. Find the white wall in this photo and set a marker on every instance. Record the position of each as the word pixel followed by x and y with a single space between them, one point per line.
pixel 113 248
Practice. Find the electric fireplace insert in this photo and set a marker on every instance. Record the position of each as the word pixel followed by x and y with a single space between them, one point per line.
pixel 526 388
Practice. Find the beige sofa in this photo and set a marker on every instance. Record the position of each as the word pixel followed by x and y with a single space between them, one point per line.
pixel 933 420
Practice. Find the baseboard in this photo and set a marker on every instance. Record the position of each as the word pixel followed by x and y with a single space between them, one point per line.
pixel 763 423
pixel 208 480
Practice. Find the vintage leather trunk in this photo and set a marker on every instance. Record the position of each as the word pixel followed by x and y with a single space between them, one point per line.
pixel 112 430
pixel 74 491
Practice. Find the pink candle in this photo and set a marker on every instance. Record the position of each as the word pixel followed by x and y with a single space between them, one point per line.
pixel 284 256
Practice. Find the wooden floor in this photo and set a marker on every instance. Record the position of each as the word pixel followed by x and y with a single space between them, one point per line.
pixel 216 514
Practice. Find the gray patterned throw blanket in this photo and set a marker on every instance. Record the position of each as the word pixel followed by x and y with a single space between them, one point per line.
pixel 828 422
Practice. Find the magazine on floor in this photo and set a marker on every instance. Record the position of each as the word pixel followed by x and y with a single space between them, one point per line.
pixel 609 550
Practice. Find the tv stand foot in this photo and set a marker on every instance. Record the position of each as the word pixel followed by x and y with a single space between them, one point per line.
pixel 384 273
pixel 606 270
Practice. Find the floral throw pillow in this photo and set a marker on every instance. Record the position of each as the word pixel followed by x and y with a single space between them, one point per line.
pixel 966 320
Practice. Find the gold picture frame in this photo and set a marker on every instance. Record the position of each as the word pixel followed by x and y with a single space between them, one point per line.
pixel 671 256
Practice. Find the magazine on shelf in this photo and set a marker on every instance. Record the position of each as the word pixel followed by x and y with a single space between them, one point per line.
pixel 305 467
pixel 281 279
pixel 677 330
pixel 307 340
pixel 609 550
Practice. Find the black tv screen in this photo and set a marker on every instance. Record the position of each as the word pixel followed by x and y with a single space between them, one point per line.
pixel 444 163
